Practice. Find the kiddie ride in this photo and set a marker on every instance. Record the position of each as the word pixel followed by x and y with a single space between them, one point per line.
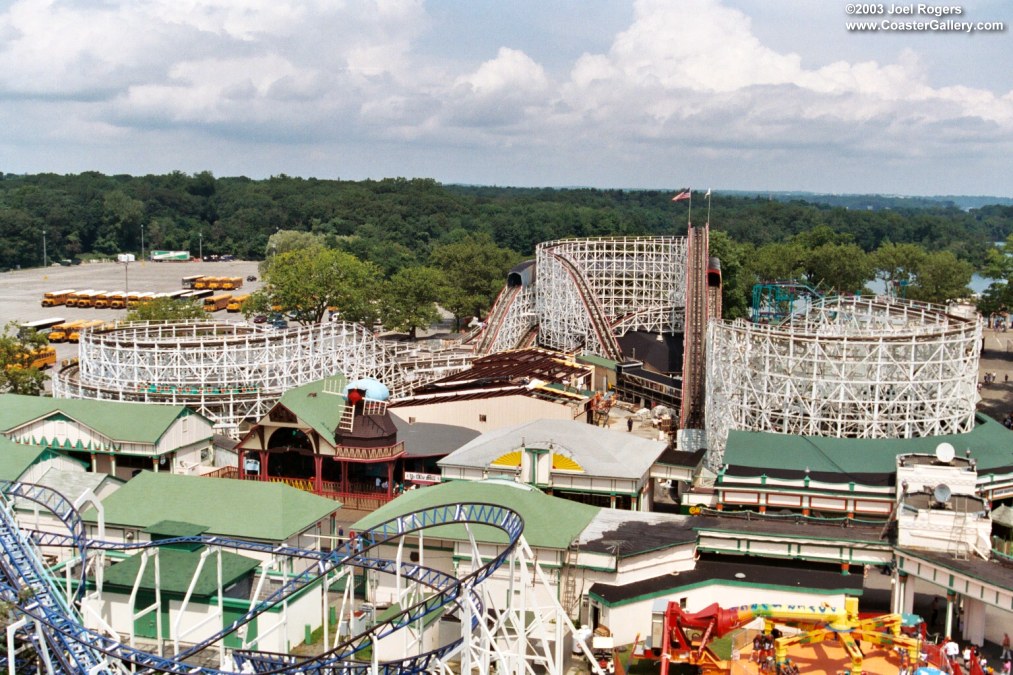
pixel 702 638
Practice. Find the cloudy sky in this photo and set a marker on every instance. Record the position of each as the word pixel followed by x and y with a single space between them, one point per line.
pixel 727 94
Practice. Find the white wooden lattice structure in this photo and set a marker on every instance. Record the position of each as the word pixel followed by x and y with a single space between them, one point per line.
pixel 233 372
pixel 851 367
pixel 634 283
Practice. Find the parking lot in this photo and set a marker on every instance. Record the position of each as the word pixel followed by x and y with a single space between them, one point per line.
pixel 21 290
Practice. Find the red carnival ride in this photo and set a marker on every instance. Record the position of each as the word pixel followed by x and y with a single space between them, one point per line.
pixel 690 637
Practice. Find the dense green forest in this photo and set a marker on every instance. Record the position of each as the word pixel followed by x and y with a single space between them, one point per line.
pixel 398 223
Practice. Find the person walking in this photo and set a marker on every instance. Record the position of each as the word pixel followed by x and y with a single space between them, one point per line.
pixel 1006 655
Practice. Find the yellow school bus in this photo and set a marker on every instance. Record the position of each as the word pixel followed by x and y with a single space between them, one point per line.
pixel 236 304
pixel 73 298
pixel 88 299
pixel 41 358
pixel 56 298
pixel 75 335
pixel 60 332
pixel 216 303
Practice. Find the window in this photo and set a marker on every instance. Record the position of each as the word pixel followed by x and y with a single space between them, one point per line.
pixel 411 420
pixel 481 418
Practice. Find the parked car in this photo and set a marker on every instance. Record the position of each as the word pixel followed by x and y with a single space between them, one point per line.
pixel 260 318
pixel 251 277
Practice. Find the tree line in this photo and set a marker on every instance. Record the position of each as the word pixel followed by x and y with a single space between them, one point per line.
pixel 408 232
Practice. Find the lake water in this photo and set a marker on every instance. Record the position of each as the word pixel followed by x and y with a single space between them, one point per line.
pixel 978 284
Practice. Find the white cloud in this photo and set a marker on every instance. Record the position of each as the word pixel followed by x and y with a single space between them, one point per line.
pixel 687 81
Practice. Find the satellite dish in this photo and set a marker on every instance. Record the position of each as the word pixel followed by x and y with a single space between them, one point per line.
pixel 942 493
pixel 945 453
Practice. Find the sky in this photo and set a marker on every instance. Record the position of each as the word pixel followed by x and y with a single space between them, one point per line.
pixel 656 94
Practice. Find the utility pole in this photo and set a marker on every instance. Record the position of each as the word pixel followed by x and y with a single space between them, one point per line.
pixel 200 250
pixel 142 241
pixel 45 258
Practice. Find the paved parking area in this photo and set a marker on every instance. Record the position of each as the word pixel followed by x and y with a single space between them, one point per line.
pixel 21 290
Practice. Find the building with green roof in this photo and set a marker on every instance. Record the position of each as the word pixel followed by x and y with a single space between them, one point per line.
pixel 111 437
pixel 332 437
pixel 26 463
pixel 195 603
pixel 839 476
pixel 549 522
pixel 253 510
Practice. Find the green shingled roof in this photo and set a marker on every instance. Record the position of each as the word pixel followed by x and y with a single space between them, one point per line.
pixel 16 458
pixel 231 508
pixel 990 443
pixel 117 420
pixel 549 522
pixel 322 411
pixel 176 569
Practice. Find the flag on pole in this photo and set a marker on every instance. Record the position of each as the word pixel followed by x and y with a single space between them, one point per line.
pixel 708 193
pixel 685 194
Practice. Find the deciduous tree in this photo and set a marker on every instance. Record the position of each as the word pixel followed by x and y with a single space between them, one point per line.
pixel 307 281
pixel 16 352
pixel 475 269
pixel 410 297
pixel 167 310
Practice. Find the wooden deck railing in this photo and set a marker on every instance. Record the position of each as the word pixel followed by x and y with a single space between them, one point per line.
pixel 360 496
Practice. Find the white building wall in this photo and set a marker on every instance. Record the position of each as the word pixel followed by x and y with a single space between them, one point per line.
pixel 277 630
pixel 500 411
pixel 924 477
pixel 191 430
pixel 405 643
pixel 35 472
pixel 437 555
pixel 655 563
pixel 629 620
pixel 941 529
pixel 185 431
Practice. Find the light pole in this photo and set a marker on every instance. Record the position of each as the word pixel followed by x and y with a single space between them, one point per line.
pixel 45 258
pixel 126 259
pixel 142 241
pixel 200 250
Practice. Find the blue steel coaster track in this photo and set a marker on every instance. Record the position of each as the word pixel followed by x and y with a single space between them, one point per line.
pixel 82 650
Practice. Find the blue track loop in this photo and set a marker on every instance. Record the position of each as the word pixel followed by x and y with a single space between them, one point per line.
pixel 82 650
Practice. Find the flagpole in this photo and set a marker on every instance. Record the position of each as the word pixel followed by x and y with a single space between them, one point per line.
pixel 689 213
pixel 708 207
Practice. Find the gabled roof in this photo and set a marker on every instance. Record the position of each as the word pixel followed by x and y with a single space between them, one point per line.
pixel 116 420
pixel 750 453
pixel 16 458
pixel 230 508
pixel 176 569
pixel 72 484
pixel 317 408
pixel 598 451
pixel 549 522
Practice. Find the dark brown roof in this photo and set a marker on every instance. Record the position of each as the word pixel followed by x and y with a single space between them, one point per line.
pixel 506 374
pixel 511 367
